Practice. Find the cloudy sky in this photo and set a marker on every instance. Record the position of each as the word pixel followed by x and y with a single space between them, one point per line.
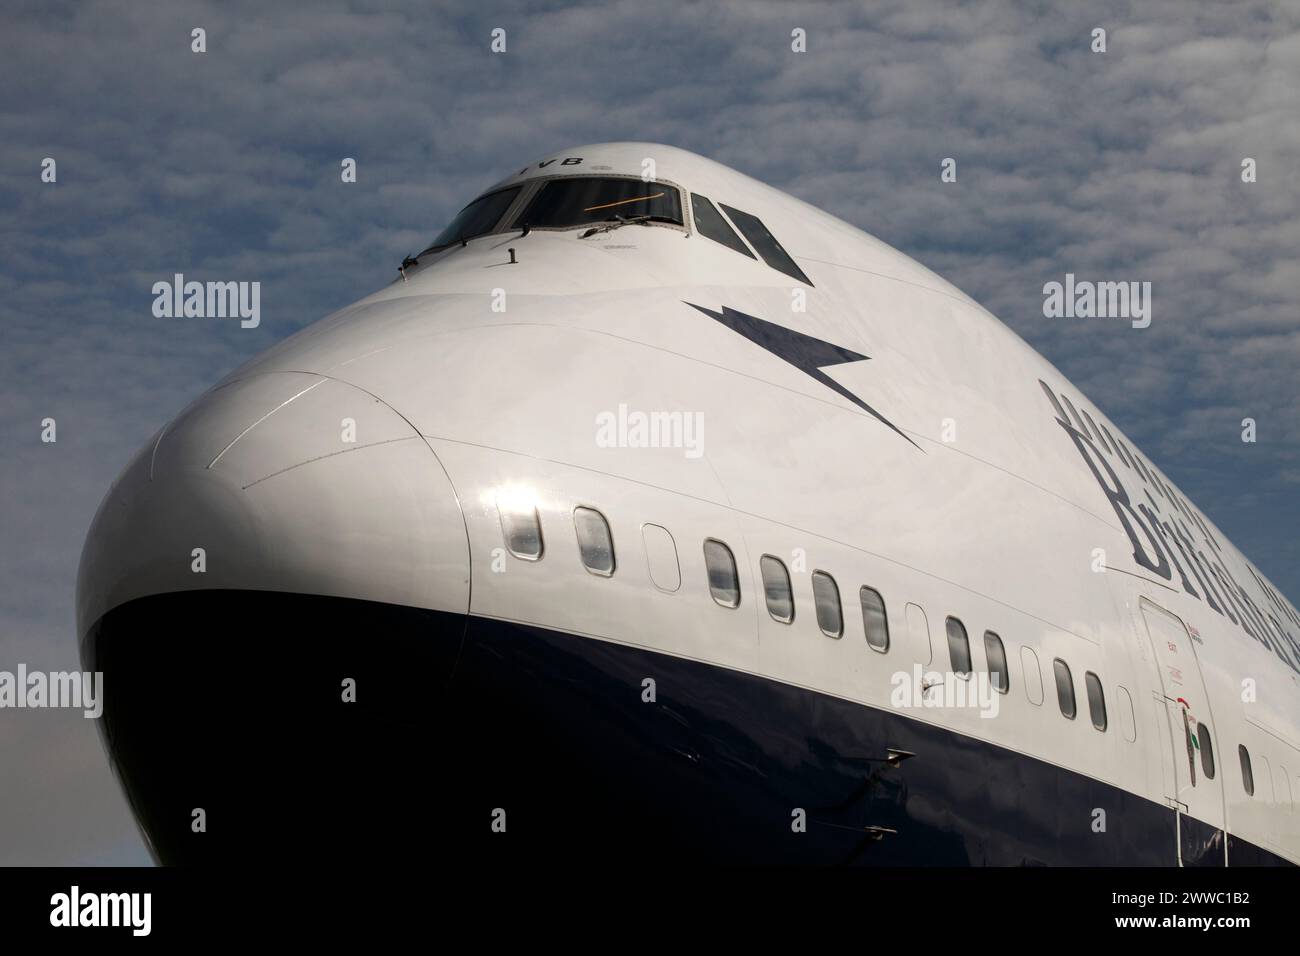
pixel 1122 165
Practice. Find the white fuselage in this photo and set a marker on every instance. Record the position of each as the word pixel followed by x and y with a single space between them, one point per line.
pixel 472 376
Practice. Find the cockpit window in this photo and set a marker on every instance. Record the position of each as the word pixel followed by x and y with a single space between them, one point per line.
pixel 752 228
pixel 477 218
pixel 582 200
pixel 710 223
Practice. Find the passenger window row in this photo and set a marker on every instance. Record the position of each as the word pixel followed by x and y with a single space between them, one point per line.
pixel 522 531
pixel 1000 675
pixel 780 605
pixel 1092 688
pixel 826 603
pixel 826 599
pixel 523 535
pixel 1275 786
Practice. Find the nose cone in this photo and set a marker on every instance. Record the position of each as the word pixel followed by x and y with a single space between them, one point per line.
pixel 287 482
pixel 273 589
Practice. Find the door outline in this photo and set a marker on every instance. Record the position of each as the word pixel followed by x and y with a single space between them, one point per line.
pixel 1180 693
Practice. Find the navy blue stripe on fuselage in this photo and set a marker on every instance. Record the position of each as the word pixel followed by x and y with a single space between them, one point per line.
pixel 232 701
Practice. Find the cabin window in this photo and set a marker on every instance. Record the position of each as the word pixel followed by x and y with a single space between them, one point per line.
pixel 958 647
pixel 724 583
pixel 521 527
pixel 874 621
pixel 661 557
pixel 776 589
pixel 826 598
pixel 595 544
pixel 711 225
pixel 583 200
pixel 752 228
pixel 1064 687
pixel 999 676
pixel 918 633
pixel 1247 777
pixel 1207 750
pixel 478 218
pixel 1127 719
pixel 1033 675
pixel 1096 700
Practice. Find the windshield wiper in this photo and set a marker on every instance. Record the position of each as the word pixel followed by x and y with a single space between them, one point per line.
pixel 408 262
pixel 616 221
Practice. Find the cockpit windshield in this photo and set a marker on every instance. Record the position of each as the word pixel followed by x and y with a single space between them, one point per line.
pixel 565 203
pixel 477 218
pixel 582 200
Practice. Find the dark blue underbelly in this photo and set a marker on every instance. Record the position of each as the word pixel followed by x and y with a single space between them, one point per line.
pixel 232 702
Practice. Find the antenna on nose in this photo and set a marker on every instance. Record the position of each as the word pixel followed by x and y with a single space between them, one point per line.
pixel 513 260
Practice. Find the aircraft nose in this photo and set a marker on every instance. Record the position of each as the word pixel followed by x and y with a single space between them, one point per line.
pixel 284 481
pixel 273 590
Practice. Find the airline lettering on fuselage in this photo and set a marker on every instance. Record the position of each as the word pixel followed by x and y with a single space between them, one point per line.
pixel 1165 545
pixel 567 161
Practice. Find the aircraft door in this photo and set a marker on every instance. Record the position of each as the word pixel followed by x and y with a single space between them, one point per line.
pixel 1193 787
